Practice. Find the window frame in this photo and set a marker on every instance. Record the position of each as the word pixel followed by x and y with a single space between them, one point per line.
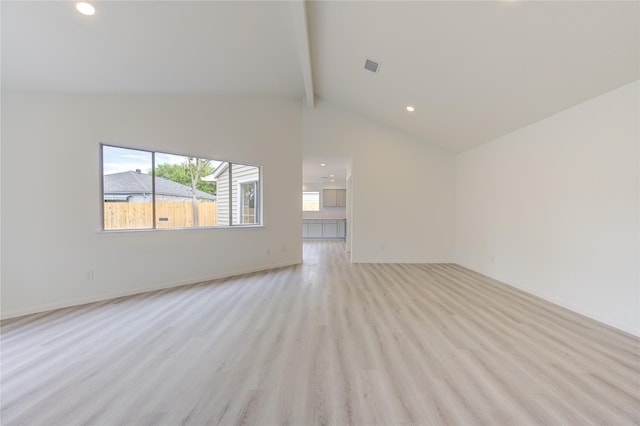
pixel 257 202
pixel 256 199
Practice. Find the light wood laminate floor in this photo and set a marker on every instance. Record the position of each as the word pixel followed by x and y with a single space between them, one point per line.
pixel 326 342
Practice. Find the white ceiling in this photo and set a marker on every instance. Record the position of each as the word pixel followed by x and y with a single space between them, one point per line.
pixel 156 47
pixel 474 70
pixel 313 172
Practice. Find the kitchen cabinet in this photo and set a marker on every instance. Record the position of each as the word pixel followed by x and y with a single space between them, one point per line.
pixel 342 228
pixel 334 198
pixel 330 229
pixel 314 229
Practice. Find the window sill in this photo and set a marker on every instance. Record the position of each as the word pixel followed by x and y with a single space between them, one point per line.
pixel 153 230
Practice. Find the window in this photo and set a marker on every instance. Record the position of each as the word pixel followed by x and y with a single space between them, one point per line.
pixel 182 198
pixel 126 188
pixel 310 201
pixel 246 193
pixel 152 190
pixel 247 206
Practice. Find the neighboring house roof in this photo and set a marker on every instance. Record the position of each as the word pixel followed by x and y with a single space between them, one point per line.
pixel 217 172
pixel 118 185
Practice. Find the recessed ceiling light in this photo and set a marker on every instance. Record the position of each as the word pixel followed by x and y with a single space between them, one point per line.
pixel 410 108
pixel 85 8
pixel 333 180
pixel 322 164
pixel 331 175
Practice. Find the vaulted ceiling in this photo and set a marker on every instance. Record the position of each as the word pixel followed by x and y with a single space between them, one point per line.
pixel 473 70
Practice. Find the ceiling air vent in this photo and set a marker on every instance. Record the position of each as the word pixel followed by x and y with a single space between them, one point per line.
pixel 372 66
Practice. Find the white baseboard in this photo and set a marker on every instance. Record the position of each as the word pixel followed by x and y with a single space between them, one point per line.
pixel 596 317
pixel 6 314
pixel 375 260
pixel 113 295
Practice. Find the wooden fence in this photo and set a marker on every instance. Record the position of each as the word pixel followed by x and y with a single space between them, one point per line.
pixel 168 215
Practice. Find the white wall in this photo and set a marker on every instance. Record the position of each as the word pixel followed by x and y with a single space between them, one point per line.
pixel 553 208
pixel 51 200
pixel 403 187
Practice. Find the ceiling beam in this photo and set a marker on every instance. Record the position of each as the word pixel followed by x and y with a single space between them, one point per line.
pixel 299 9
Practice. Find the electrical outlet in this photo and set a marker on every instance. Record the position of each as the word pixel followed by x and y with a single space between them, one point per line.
pixel 89 275
pixel 268 252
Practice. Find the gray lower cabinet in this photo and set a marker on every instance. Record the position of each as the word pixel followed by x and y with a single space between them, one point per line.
pixel 330 228
pixel 323 228
pixel 342 228
pixel 315 228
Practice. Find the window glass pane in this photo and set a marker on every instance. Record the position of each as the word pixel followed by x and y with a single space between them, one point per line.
pixel 311 201
pixel 245 196
pixel 126 183
pixel 248 202
pixel 221 179
pixel 184 199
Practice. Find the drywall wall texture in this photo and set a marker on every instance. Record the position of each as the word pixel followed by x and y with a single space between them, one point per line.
pixel 553 208
pixel 51 200
pixel 403 193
